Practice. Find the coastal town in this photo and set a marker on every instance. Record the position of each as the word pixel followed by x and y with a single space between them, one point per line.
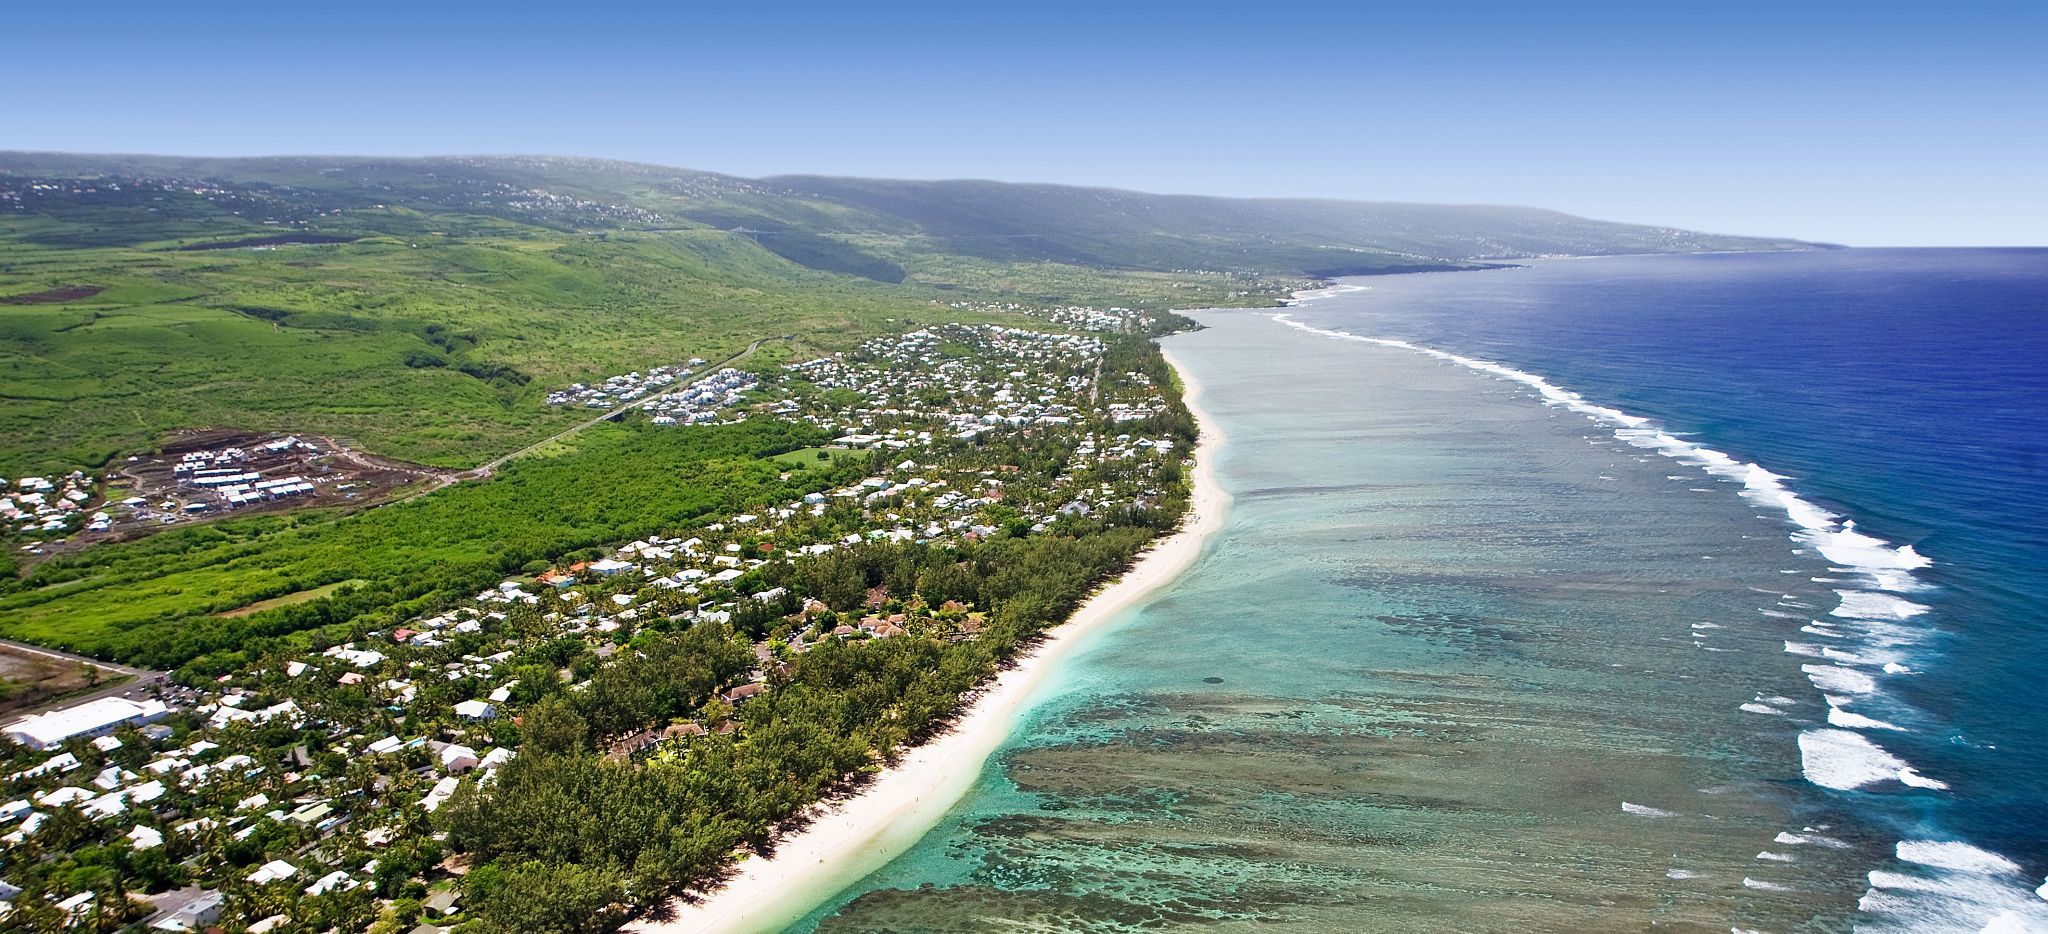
pixel 347 784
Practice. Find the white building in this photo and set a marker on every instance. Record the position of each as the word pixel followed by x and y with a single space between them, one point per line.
pixel 272 871
pixel 456 760
pixel 93 718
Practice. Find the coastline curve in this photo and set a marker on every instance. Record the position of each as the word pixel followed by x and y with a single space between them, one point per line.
pixel 850 837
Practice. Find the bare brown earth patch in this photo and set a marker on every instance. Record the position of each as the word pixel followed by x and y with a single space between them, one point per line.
pixel 342 478
pixel 29 679
pixel 276 240
pixel 68 293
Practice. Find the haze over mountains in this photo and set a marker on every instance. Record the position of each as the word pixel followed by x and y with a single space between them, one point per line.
pixel 863 227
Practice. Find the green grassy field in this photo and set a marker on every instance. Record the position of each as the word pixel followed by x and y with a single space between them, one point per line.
pixel 820 456
pixel 439 353
pixel 162 600
pixel 428 305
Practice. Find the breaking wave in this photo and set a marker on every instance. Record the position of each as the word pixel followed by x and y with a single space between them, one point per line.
pixel 1947 886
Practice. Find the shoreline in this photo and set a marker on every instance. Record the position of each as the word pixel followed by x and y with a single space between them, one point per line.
pixel 850 837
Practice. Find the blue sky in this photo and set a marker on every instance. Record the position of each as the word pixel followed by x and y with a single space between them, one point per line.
pixel 1866 123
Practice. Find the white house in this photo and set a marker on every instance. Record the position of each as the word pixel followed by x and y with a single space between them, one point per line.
pixel 609 566
pixel 456 760
pixel 439 794
pixel 272 871
pixel 199 913
pixel 329 882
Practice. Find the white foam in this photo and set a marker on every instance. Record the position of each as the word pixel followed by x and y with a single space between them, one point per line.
pixel 1846 761
pixel 1837 678
pixel 1856 721
pixel 1644 810
pixel 1681 874
pixel 1304 296
pixel 1952 854
pixel 1834 537
pixel 1770 857
pixel 2009 922
pixel 1869 604
pixel 1846 546
pixel 1912 776
pixel 1870 571
pixel 1762 886
pixel 1948 885
pixel 1809 838
pixel 1901 882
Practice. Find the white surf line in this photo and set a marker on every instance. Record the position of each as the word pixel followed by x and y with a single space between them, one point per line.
pixel 1836 756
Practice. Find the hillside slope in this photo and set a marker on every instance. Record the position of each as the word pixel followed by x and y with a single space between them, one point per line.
pixel 1321 238
pixel 837 223
pixel 424 307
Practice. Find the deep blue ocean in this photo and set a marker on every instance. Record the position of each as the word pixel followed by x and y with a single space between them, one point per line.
pixel 1697 592
pixel 1905 389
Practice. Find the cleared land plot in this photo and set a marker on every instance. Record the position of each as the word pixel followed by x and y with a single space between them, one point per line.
pixel 29 679
pixel 289 599
pixel 812 457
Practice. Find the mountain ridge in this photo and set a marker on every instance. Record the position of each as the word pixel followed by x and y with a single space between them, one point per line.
pixel 865 226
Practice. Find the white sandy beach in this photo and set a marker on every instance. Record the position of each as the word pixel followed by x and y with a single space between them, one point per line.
pixel 849 838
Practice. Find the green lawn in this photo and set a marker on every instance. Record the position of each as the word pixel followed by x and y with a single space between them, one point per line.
pixel 811 457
